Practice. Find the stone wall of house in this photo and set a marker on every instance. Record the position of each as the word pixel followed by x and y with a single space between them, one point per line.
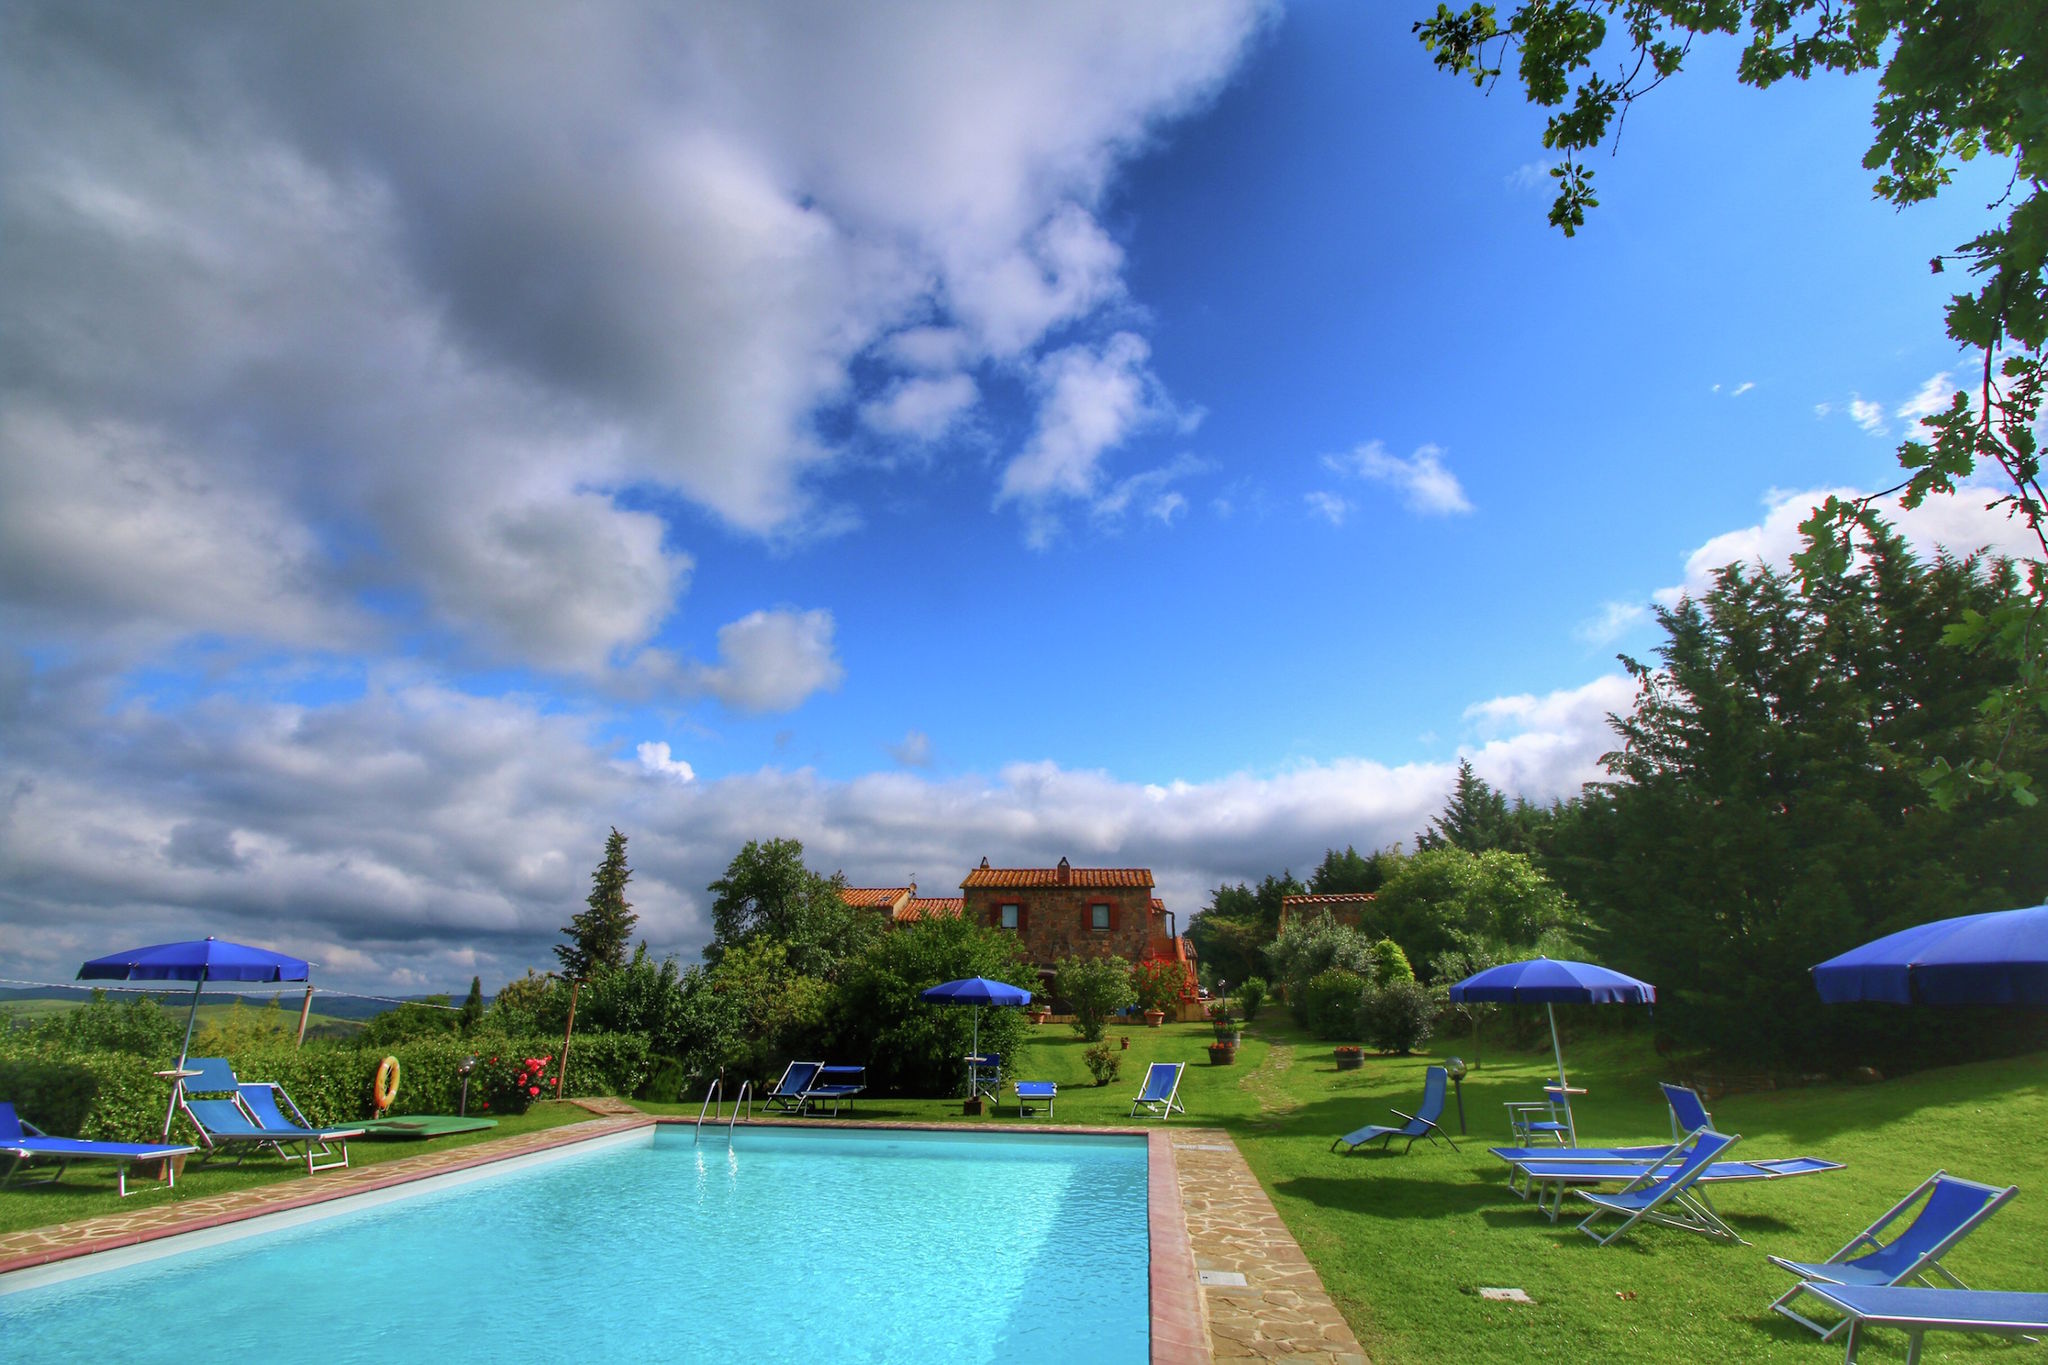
pixel 1054 922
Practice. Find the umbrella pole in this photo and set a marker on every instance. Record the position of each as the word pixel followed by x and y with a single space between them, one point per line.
pixel 184 1051
pixel 1557 1049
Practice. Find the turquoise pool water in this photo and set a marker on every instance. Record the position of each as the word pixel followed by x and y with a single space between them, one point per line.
pixel 817 1245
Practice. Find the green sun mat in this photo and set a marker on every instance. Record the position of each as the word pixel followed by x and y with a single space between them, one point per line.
pixel 416 1127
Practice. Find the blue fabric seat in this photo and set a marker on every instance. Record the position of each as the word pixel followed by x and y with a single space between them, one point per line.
pixel 1665 1193
pixel 248 1119
pixel 1950 1209
pixel 1030 1093
pixel 1161 1095
pixel 1423 1123
pixel 27 1143
pixel 795 1083
pixel 1918 1311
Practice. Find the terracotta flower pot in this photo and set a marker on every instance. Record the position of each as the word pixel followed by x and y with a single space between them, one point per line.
pixel 1154 1018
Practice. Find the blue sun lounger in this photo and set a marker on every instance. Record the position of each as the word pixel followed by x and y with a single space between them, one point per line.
pixel 1952 1210
pixel 789 1092
pixel 1161 1095
pixel 1423 1123
pixel 1030 1093
pixel 835 1085
pixel 26 1143
pixel 247 1119
pixel 1917 1311
pixel 1550 1180
pixel 1664 1194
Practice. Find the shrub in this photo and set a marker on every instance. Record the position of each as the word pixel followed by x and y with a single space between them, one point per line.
pixel 910 1047
pixel 1331 1003
pixel 1094 988
pixel 1250 996
pixel 1104 1063
pixel 1158 985
pixel 1314 946
pixel 1389 963
pixel 1397 1017
pixel 510 1083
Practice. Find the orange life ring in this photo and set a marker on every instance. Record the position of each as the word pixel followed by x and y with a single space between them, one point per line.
pixel 386 1088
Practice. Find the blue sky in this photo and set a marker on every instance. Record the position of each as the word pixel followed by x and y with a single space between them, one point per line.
pixel 1166 436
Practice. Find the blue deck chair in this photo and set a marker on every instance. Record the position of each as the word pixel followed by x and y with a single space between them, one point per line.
pixel 789 1092
pixel 1550 1180
pixel 1665 1194
pixel 1688 1112
pixel 262 1100
pixel 1161 1095
pixel 1953 1209
pixel 27 1143
pixel 1030 1093
pixel 985 1076
pixel 1420 1124
pixel 1918 1311
pixel 1549 1117
pixel 834 1085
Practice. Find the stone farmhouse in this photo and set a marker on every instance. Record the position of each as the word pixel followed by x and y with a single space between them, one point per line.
pixel 1056 912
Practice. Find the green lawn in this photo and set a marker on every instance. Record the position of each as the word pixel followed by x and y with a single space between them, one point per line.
pixel 87 1189
pixel 1403 1242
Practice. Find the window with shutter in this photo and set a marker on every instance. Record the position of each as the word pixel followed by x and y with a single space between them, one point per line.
pixel 1010 918
pixel 1099 918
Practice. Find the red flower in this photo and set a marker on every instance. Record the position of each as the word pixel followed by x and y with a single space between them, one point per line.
pixel 533 1090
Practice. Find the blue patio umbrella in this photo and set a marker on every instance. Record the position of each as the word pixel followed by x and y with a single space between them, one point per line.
pixel 198 961
pixel 1999 958
pixel 976 991
pixel 1551 982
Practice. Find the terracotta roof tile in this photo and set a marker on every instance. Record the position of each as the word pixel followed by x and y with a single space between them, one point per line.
pixel 873 897
pixel 932 907
pixel 1089 877
pixel 1343 898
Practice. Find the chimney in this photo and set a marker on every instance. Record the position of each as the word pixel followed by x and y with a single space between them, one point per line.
pixel 1066 872
pixel 984 862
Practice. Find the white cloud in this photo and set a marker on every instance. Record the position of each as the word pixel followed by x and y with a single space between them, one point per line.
pixel 914 750
pixel 655 757
pixel 1740 389
pixel 1331 507
pixel 1150 491
pixel 1960 523
pixel 1090 401
pixel 1933 397
pixel 387 311
pixel 773 660
pixel 422 835
pixel 1531 175
pixel 1426 486
pixel 1823 409
pixel 924 407
pixel 1615 620
pixel 1868 415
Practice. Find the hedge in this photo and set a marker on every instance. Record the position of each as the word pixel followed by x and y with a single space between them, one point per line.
pixel 113 1097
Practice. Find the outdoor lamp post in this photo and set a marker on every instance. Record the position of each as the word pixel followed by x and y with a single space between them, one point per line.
pixel 1454 1067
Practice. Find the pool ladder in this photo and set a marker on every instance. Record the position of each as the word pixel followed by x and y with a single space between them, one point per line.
pixel 710 1105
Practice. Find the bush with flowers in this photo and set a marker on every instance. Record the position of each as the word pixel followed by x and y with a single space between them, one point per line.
pixel 511 1084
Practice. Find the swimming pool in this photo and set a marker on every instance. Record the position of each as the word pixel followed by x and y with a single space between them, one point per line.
pixel 821 1245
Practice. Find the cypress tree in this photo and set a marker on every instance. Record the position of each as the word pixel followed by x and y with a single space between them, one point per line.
pixel 598 936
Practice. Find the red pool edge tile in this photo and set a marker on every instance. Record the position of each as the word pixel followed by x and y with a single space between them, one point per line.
pixel 1180 1330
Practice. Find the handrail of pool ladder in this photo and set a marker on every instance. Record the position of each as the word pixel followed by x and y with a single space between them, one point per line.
pixel 737 1100
pixel 709 1096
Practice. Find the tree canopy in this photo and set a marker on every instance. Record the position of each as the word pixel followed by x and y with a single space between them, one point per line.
pixel 599 934
pixel 1959 79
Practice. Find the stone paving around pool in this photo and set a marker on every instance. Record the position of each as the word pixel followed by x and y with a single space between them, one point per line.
pixel 1241 1290
pixel 1264 1301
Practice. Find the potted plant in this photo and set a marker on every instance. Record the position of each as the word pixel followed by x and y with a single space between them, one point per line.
pixel 1228 1030
pixel 1222 1054
pixel 1350 1058
pixel 1158 986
